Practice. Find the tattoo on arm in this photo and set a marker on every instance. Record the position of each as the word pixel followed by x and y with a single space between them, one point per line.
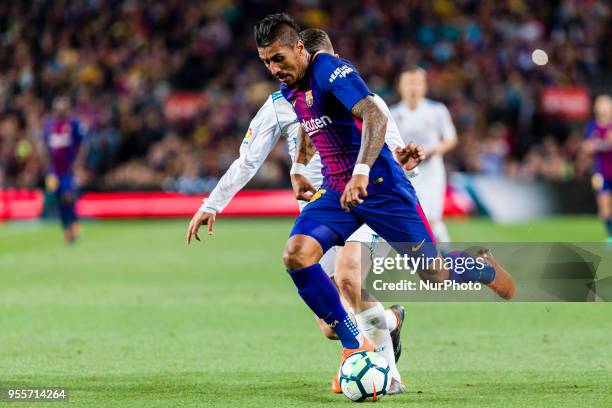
pixel 373 132
pixel 304 149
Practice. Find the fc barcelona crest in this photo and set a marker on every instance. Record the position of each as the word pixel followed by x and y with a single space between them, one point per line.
pixel 309 99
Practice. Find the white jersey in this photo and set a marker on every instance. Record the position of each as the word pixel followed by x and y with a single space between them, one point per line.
pixel 428 124
pixel 274 119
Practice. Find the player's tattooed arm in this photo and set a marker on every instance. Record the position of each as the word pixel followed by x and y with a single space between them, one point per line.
pixel 304 149
pixel 372 140
pixel 374 129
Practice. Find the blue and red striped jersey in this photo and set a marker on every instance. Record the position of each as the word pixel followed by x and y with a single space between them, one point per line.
pixel 63 138
pixel 322 101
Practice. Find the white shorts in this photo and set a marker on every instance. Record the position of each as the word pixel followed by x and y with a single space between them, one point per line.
pixel 430 186
pixel 364 234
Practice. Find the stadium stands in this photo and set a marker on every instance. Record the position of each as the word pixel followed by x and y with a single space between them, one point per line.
pixel 121 61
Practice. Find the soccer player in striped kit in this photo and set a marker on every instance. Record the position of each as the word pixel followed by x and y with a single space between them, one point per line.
pixel 277 119
pixel 599 143
pixel 362 181
pixel 63 136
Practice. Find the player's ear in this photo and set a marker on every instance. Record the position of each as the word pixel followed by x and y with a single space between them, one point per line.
pixel 299 47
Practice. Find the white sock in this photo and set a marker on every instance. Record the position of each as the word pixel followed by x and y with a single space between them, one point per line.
pixel 391 320
pixel 440 232
pixel 373 324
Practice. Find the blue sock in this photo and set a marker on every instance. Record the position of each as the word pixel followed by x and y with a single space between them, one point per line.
pixel 609 227
pixel 65 213
pixel 320 294
pixel 477 273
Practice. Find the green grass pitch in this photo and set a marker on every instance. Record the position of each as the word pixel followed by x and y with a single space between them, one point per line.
pixel 131 316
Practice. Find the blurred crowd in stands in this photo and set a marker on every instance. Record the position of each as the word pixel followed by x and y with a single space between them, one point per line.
pixel 119 61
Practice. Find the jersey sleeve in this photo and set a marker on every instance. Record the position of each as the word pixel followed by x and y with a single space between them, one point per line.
pixel 79 133
pixel 285 114
pixel 447 129
pixel 589 131
pixel 261 137
pixel 393 139
pixel 343 81
pixel 288 122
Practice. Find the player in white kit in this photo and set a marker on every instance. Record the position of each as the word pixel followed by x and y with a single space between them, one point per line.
pixel 277 118
pixel 427 123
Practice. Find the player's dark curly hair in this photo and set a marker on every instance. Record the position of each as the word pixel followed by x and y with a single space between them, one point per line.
pixel 276 26
pixel 315 40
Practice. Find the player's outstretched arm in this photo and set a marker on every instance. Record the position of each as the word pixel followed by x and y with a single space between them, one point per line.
pixel 305 149
pixel 372 140
pixel 263 134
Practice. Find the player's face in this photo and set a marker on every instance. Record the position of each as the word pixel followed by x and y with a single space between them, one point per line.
pixel 286 63
pixel 61 106
pixel 603 106
pixel 413 85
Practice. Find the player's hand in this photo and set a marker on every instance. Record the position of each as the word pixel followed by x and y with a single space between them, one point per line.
pixel 200 218
pixel 302 187
pixel 410 156
pixel 51 183
pixel 355 191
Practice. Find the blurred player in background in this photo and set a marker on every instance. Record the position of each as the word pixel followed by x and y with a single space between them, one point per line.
pixel 276 118
pixel 63 136
pixel 599 143
pixel 429 124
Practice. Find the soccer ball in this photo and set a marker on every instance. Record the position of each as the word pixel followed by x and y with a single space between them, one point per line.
pixel 364 376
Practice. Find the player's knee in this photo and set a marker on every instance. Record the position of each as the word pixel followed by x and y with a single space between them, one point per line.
pixel 297 256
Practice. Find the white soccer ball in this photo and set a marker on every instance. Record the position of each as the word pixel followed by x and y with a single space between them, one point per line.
pixel 364 376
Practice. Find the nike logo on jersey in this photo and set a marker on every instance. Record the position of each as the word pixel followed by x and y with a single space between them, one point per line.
pixel 313 125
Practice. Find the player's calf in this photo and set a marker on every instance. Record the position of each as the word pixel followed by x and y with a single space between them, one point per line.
pixel 302 254
pixel 434 274
pixel 489 272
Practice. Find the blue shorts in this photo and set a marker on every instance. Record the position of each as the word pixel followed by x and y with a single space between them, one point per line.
pixel 66 185
pixel 601 184
pixel 394 214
